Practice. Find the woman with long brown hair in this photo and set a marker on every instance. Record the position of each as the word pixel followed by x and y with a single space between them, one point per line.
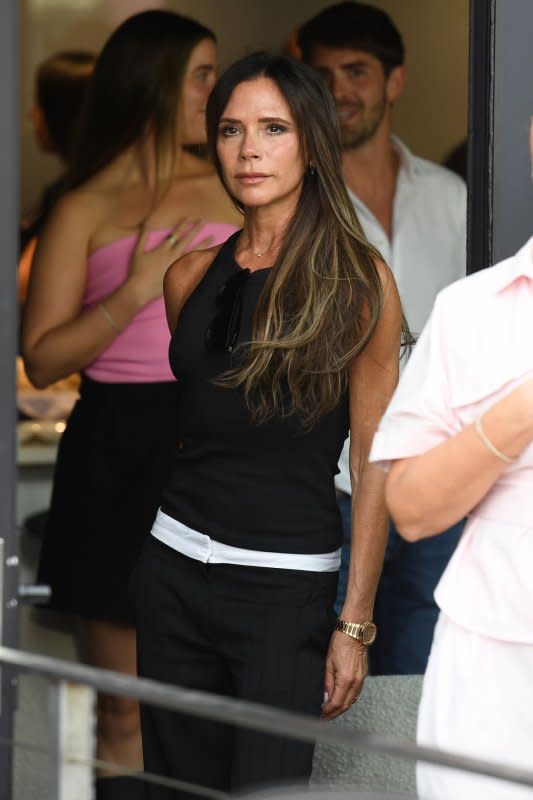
pixel 95 305
pixel 283 339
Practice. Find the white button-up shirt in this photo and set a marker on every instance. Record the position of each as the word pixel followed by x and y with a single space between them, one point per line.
pixel 476 348
pixel 428 247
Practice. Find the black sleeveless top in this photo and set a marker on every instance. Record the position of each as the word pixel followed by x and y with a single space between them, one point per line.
pixel 264 487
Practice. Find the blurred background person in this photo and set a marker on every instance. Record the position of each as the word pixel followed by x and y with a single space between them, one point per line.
pixel 61 83
pixel 134 203
pixel 283 339
pixel 458 437
pixel 414 213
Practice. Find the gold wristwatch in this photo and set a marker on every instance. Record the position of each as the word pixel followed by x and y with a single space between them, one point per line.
pixel 364 632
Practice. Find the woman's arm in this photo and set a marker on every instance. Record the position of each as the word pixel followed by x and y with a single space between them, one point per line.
pixel 24 269
pixel 428 493
pixel 373 378
pixel 57 337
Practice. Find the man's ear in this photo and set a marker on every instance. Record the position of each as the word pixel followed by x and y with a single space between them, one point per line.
pixel 396 83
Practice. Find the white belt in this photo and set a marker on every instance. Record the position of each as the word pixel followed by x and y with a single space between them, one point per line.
pixel 197 545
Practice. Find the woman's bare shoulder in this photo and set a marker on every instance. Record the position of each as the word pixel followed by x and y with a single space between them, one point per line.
pixel 94 197
pixel 385 275
pixel 389 288
pixel 205 190
pixel 182 277
pixel 75 212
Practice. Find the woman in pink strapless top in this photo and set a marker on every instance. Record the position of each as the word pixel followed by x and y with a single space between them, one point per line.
pixel 137 201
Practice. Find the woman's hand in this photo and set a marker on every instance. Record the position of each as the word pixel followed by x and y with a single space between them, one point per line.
pixel 148 267
pixel 346 670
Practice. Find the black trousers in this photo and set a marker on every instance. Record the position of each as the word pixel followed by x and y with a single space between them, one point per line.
pixel 258 634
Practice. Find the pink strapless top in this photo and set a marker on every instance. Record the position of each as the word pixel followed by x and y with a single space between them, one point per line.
pixel 139 354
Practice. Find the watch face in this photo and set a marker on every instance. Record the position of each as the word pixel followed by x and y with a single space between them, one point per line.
pixel 368 633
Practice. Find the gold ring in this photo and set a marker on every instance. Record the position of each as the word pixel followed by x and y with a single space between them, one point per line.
pixel 171 238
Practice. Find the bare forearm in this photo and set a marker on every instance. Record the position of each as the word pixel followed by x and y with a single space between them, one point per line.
pixel 428 493
pixel 370 525
pixel 75 344
pixel 373 378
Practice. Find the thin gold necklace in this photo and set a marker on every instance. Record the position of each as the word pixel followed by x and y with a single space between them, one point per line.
pixel 260 255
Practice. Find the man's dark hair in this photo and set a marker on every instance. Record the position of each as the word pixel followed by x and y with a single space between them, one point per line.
pixel 354 26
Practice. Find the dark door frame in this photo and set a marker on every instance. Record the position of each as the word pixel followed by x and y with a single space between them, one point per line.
pixel 9 217
pixel 500 109
pixel 480 172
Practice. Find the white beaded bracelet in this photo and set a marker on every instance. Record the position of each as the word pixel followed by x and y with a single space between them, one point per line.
pixel 490 445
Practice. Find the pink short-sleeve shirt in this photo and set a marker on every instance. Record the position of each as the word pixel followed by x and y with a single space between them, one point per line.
pixel 476 347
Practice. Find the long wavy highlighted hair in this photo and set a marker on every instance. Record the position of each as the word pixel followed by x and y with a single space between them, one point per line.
pixel 322 301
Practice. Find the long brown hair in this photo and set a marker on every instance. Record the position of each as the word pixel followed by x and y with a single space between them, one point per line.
pixel 135 89
pixel 322 300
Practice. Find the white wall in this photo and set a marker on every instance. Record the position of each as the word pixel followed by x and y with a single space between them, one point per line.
pixel 431 116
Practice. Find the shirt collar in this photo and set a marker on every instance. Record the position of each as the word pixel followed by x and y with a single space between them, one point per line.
pixel 518 266
pixel 407 159
pixel 408 167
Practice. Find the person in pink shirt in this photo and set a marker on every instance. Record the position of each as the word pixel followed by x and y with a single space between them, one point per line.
pixel 137 201
pixel 458 440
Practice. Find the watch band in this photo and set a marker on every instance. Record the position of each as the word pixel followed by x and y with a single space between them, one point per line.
pixel 364 632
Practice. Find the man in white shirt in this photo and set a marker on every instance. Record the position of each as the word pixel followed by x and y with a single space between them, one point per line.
pixel 414 212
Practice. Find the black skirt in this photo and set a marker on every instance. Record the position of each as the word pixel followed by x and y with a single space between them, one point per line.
pixel 113 461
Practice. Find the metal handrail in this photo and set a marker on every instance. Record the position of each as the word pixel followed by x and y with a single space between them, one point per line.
pixel 252 715
pixel 120 769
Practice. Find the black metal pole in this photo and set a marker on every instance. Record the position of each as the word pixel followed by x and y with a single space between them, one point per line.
pixel 480 174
